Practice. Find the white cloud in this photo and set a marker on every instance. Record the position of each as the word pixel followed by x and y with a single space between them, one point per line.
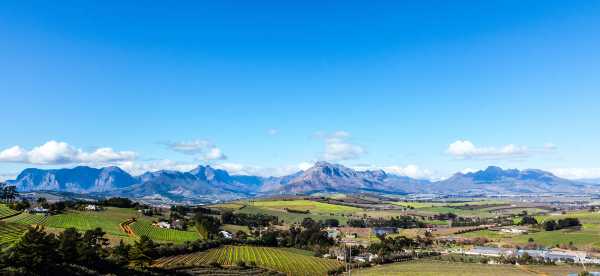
pixel 576 173
pixel 207 150
pixel 412 171
pixel 241 169
pixel 54 152
pixel 7 176
pixel 465 149
pixel 137 168
pixel 272 131
pixel 337 148
pixel 468 170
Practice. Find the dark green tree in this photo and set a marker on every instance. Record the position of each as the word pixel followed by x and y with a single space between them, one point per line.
pixel 35 254
pixel 142 252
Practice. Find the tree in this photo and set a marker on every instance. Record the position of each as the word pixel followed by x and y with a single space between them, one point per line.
pixel 42 201
pixel 528 220
pixel 332 223
pixel 120 253
pixel 207 226
pixel 142 252
pixel 9 193
pixel 35 253
pixel 68 243
pixel 550 225
pixel 92 248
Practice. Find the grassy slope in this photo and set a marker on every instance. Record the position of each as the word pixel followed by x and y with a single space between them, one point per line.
pixel 108 220
pixel 313 206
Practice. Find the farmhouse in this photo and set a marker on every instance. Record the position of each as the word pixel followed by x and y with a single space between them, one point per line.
pixel 490 251
pixel 513 230
pixel 226 234
pixel 178 224
pixel 333 233
pixel 162 224
pixel 37 210
pixel 382 231
pixel 92 207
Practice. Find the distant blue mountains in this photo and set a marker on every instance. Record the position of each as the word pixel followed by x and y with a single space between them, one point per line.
pixel 206 183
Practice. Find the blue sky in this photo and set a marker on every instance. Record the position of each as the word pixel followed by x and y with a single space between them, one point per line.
pixel 423 89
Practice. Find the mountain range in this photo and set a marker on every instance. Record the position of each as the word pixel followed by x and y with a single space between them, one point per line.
pixel 206 183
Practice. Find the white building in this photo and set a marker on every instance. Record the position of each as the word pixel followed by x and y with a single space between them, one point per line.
pixel 92 207
pixel 164 224
pixel 226 234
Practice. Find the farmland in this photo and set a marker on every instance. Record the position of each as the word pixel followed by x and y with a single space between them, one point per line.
pixel 288 217
pixel 313 206
pixel 10 232
pixel 6 212
pixel 430 267
pixel 108 220
pixel 588 237
pixel 24 218
pixel 284 261
pixel 144 227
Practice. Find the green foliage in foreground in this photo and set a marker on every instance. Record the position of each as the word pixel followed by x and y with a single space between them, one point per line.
pixel 266 257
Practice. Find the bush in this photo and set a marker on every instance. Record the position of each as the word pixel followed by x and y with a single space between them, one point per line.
pixel 240 263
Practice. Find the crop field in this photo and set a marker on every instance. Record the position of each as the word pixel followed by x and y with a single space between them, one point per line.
pixel 108 220
pixel 270 258
pixel 587 238
pixel 6 212
pixel 24 218
pixel 313 206
pixel 10 233
pixel 288 217
pixel 431 268
pixel 160 234
pixel 231 228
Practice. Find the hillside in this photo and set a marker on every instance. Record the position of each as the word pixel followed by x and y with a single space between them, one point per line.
pixel 206 184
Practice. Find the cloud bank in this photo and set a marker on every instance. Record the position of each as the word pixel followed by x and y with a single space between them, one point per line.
pixel 338 148
pixel 58 153
pixel 465 149
pixel 205 149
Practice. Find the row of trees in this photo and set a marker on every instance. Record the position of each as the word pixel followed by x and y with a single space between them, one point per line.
pixel 398 222
pixel 250 220
pixel 8 193
pixel 74 253
pixel 551 225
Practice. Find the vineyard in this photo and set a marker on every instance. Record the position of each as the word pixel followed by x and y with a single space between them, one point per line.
pixel 10 233
pixel 6 212
pixel 109 220
pixel 161 234
pixel 265 257
pixel 24 218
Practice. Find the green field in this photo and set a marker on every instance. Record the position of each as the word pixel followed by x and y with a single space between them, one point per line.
pixel 231 228
pixel 288 217
pixel 143 227
pixel 284 261
pixel 435 268
pixel 313 206
pixel 24 218
pixel 6 212
pixel 586 239
pixel 108 219
pixel 10 233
